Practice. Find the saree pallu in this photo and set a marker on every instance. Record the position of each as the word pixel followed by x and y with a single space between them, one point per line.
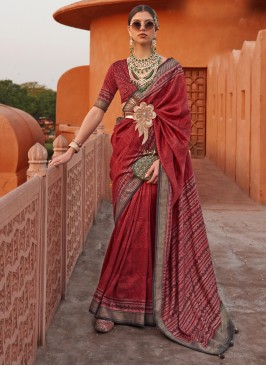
pixel 158 269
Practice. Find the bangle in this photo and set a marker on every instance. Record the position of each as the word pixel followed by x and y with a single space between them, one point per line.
pixel 75 146
pixel 77 142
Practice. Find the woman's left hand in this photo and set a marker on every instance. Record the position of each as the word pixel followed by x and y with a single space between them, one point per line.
pixel 153 172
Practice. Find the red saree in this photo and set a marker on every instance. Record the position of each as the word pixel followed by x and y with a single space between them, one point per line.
pixel 158 268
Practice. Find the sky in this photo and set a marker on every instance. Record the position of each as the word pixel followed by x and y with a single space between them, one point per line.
pixel 34 47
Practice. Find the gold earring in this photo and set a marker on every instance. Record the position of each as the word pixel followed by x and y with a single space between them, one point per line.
pixel 131 45
pixel 153 45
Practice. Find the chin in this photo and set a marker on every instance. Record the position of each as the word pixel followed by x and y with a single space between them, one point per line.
pixel 144 42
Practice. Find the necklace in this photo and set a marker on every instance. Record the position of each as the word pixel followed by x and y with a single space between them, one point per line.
pixel 142 71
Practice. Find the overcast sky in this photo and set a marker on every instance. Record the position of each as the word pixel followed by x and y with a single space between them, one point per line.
pixel 34 47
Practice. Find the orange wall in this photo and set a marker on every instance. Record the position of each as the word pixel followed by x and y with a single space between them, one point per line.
pixel 244 130
pixel 258 121
pixel 230 110
pixel 198 34
pixel 192 33
pixel 212 110
pixel 243 91
pixel 72 97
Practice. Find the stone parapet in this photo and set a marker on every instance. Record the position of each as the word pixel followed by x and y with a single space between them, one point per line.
pixel 43 226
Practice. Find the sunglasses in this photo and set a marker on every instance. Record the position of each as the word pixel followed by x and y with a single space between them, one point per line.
pixel 148 25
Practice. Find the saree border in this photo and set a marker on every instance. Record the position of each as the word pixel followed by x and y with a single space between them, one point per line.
pixel 134 184
pixel 224 334
pixel 122 317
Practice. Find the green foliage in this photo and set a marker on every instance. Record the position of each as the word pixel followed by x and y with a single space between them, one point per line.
pixel 49 148
pixel 32 98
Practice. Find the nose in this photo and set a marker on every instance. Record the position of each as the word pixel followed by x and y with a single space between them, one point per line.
pixel 142 28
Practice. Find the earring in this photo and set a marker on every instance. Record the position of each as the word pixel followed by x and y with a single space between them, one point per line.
pixel 131 45
pixel 153 45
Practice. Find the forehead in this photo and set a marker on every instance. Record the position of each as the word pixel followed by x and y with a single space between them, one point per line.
pixel 142 15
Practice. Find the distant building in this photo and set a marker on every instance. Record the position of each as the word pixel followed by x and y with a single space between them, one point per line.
pixel 48 127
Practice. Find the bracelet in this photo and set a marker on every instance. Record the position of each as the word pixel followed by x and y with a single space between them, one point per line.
pixel 75 146
pixel 77 142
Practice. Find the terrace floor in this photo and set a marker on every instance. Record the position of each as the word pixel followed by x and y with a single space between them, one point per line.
pixel 237 235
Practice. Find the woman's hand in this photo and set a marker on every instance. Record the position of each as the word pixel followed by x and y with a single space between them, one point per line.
pixel 62 159
pixel 153 172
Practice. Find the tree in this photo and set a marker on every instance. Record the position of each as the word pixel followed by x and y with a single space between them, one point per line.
pixel 31 97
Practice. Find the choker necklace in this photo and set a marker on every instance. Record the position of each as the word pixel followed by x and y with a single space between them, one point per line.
pixel 142 71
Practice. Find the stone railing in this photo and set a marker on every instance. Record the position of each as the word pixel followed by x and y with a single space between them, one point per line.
pixel 43 226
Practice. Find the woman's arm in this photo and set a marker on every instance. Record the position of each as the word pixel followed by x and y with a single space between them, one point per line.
pixel 89 124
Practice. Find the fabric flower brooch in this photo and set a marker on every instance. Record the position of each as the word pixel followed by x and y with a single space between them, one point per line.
pixel 143 116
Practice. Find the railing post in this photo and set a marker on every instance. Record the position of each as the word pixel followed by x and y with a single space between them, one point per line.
pixel 37 161
pixel 93 135
pixel 100 129
pixel 37 155
pixel 60 146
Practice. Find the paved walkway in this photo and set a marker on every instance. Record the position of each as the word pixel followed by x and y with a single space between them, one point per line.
pixel 237 235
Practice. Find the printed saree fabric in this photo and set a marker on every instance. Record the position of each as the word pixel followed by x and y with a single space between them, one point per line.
pixel 158 269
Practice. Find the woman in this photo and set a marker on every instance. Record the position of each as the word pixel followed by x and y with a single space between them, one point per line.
pixel 157 269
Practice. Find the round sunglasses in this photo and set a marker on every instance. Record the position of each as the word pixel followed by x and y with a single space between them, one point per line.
pixel 148 25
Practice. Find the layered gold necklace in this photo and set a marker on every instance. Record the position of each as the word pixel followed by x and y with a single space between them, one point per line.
pixel 142 71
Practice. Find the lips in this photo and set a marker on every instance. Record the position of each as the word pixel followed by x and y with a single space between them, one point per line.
pixel 142 35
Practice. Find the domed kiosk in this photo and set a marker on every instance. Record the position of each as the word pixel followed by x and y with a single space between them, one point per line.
pixel 19 131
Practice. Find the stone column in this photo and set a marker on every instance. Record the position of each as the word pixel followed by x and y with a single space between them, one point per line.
pixel 37 161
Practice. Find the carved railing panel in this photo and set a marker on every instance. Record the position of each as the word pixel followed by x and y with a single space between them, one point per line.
pixel 74 212
pixel 108 150
pixel 43 224
pixel 99 164
pixel 89 185
pixel 54 254
pixel 19 273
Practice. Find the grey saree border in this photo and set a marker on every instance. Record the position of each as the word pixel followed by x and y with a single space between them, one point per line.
pixel 227 327
pixel 166 66
pixel 120 208
pixel 121 317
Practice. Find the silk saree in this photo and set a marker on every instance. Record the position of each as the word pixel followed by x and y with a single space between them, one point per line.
pixel 158 269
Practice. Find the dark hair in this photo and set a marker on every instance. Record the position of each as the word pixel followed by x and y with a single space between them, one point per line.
pixel 147 8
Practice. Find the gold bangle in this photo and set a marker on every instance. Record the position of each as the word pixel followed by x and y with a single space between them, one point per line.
pixel 75 146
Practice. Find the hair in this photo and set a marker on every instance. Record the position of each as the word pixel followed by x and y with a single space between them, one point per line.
pixel 147 8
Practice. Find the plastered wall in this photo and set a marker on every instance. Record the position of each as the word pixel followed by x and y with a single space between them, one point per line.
pixel 220 35
pixel 191 31
pixel 237 91
pixel 72 100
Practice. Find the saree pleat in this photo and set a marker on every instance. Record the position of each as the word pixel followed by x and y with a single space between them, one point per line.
pixel 158 267
pixel 124 293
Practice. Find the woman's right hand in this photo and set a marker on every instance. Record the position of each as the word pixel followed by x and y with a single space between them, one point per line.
pixel 62 159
